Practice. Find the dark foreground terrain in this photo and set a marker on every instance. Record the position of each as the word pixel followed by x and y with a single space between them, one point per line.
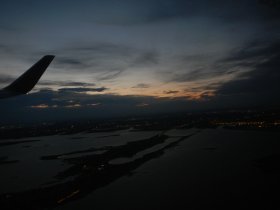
pixel 128 169
pixel 200 163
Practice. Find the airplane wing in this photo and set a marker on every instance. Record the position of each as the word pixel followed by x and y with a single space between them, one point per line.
pixel 27 80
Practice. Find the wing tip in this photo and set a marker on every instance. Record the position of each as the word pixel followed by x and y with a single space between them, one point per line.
pixel 29 79
pixel 49 57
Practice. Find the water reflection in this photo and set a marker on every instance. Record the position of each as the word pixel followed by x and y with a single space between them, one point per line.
pixel 90 170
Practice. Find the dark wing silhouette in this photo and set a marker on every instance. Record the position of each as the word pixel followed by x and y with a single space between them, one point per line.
pixel 28 80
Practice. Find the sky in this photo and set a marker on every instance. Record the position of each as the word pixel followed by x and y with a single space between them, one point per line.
pixel 125 57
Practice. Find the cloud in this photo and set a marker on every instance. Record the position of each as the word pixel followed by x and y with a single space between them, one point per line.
pixel 109 75
pixel 49 105
pixel 82 90
pixel 40 106
pixel 67 62
pixel 142 85
pixel 73 106
pixel 250 68
pixel 4 79
pixel 261 84
pixel 194 68
pixel 192 76
pixel 72 83
pixel 133 12
pixel 65 83
pixel 212 86
pixel 254 52
pixel 188 40
pixel 8 49
pixel 171 92
pixel 105 59
pixel 146 59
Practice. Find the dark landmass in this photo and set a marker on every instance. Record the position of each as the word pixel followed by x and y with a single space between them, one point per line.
pixel 78 138
pixel 109 136
pixel 2 144
pixel 269 164
pixel 3 160
pixel 60 156
pixel 89 173
pixel 8 162
pixel 246 119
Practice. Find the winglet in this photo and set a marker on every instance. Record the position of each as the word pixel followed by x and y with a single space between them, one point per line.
pixel 29 79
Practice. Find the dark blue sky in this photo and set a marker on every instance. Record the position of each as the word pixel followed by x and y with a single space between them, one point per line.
pixel 122 57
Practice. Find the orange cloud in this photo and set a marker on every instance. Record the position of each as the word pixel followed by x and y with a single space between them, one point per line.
pixel 73 106
pixel 40 106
